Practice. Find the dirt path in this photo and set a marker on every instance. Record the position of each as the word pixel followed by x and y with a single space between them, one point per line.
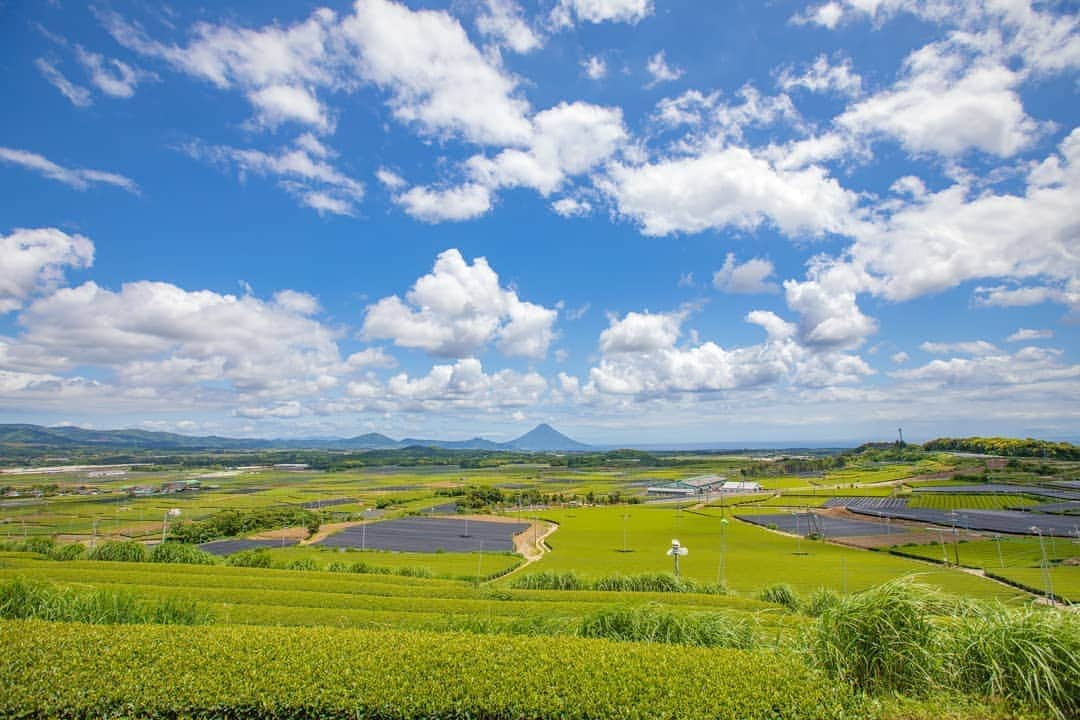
pixel 532 550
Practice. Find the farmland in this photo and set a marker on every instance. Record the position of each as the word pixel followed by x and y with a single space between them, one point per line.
pixel 390 573
pixel 1015 559
pixel 952 501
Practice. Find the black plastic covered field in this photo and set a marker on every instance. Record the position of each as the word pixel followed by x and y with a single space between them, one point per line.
pixel 808 523
pixel 1015 522
pixel 421 534
pixel 235 545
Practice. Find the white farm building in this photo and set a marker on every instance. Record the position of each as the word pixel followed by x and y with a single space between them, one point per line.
pixel 744 486
pixel 689 487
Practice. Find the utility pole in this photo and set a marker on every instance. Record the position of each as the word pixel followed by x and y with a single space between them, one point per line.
pixel 479 561
pixel 1001 558
pixel 722 572
pixel 798 537
pixel 955 538
pixel 625 518
pixel 1048 583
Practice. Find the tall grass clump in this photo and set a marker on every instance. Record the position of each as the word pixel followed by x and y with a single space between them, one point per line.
pixel 820 601
pixel 306 564
pixel 1029 655
pixel 254 558
pixel 180 553
pixel 881 639
pixel 643 582
pixel 24 599
pixel 71 551
pixel 781 594
pixel 414 571
pixel 119 551
pixel 549 580
pixel 39 545
pixel 362 568
pixel 652 623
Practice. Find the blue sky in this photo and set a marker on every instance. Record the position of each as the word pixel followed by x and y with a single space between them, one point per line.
pixel 638 220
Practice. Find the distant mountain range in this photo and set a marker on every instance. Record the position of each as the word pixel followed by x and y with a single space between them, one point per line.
pixel 542 438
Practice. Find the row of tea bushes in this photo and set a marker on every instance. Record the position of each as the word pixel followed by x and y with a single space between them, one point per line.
pixel 256 673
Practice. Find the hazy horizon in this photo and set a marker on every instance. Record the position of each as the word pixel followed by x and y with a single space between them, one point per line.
pixel 682 222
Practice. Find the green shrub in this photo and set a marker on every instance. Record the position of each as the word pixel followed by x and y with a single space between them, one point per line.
pixel 180 553
pixel 254 558
pixel 71 551
pixel 414 571
pixel 302 564
pixel 337 567
pixel 119 551
pixel 781 594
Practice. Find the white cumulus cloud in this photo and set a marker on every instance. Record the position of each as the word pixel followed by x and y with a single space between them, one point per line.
pixel 458 309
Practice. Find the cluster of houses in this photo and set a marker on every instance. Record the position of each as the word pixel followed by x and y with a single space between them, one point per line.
pixel 703 485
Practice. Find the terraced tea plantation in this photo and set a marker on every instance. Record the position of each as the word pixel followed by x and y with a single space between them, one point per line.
pixel 380 603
